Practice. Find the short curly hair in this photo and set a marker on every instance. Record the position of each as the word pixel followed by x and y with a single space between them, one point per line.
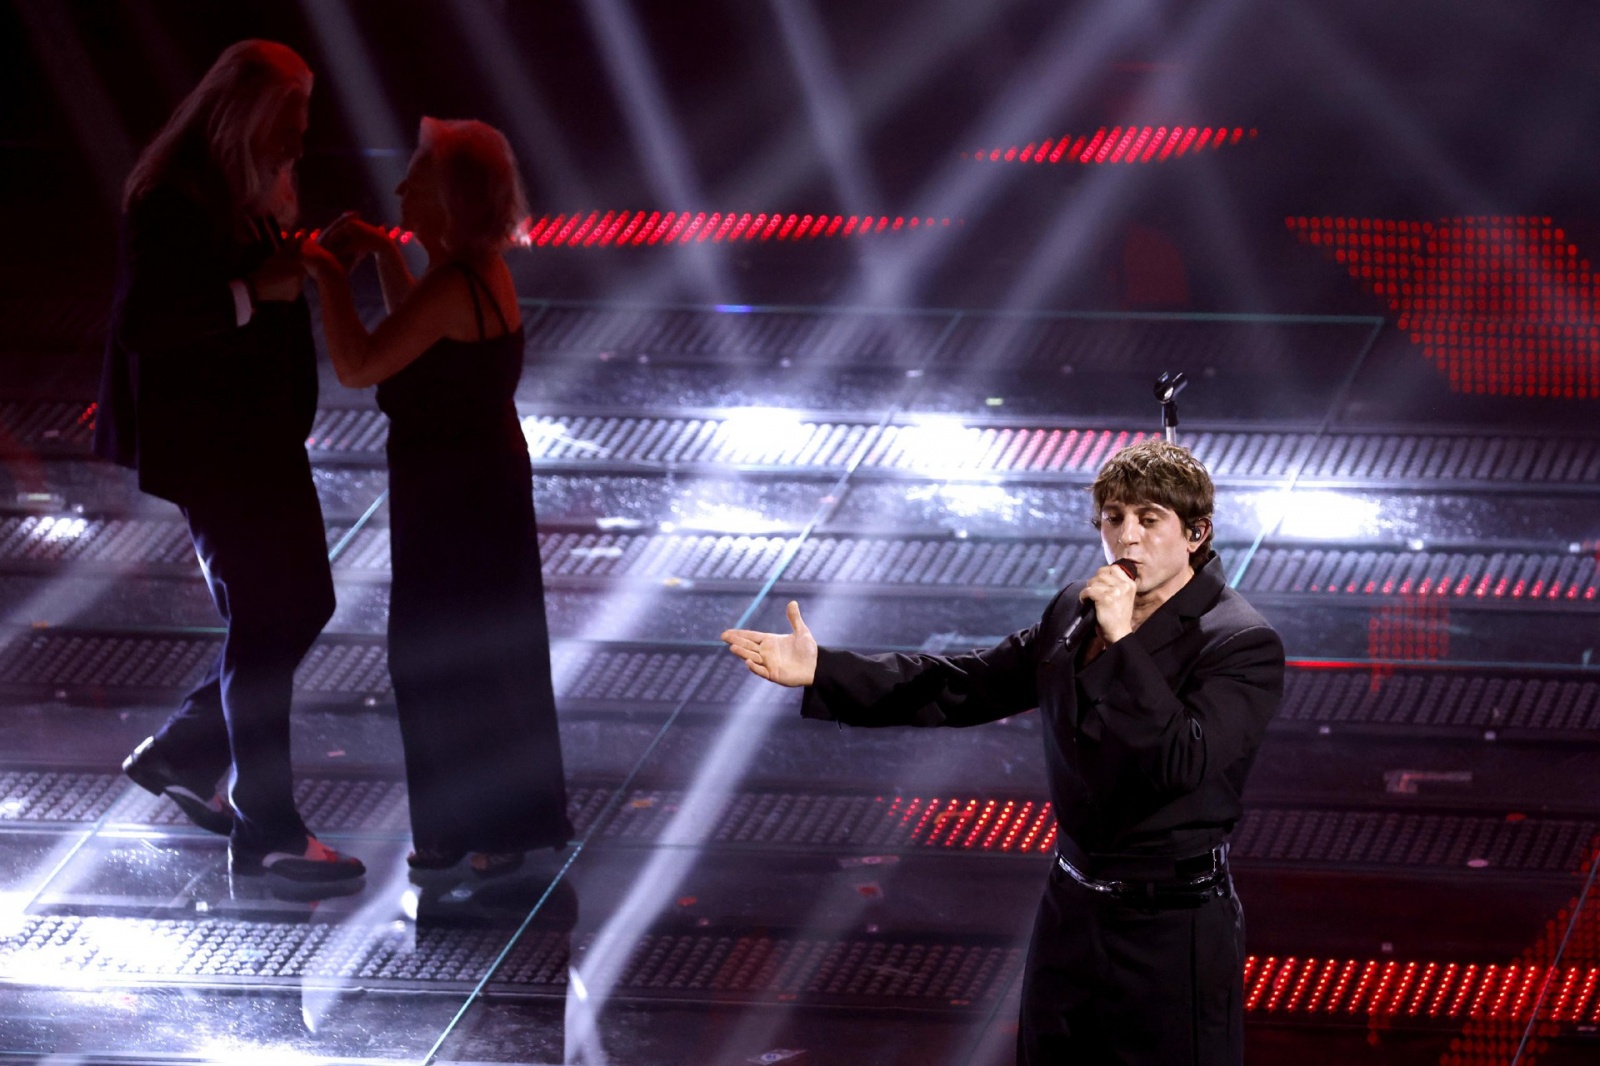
pixel 1156 471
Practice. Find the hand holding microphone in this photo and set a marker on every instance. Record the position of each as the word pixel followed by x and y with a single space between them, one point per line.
pixel 1107 601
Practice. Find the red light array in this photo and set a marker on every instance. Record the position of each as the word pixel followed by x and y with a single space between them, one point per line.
pixel 1415 630
pixel 1498 576
pixel 1423 990
pixel 1503 306
pixel 1562 994
pixel 617 229
pixel 1119 144
pixel 977 825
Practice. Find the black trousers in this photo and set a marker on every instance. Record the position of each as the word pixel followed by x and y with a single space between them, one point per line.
pixel 1118 981
pixel 265 558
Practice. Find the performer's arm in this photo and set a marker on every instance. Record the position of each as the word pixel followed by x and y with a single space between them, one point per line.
pixel 361 358
pixel 178 288
pixel 894 688
pixel 1180 739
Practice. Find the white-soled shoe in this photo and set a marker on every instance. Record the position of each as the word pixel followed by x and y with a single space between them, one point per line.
pixel 151 772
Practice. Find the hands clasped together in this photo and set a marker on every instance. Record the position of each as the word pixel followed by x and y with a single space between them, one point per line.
pixel 343 244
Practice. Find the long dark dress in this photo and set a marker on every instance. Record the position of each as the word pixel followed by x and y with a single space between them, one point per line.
pixel 469 649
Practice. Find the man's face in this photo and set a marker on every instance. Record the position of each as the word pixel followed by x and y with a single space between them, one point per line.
pixel 1151 536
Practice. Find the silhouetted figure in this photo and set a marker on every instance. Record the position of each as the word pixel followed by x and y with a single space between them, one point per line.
pixel 1153 708
pixel 208 391
pixel 469 649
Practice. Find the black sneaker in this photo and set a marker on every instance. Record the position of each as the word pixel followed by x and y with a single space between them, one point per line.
pixel 316 864
pixel 147 769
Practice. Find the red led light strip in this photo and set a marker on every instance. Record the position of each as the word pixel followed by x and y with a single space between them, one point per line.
pixel 618 229
pixel 1501 575
pixel 1119 144
pixel 634 228
pixel 1417 989
pixel 1502 306
pixel 1502 1015
pixel 974 825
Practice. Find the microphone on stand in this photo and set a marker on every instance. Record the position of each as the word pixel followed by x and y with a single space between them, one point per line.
pixel 1085 613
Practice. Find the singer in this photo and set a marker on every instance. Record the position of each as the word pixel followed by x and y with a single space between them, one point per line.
pixel 1155 682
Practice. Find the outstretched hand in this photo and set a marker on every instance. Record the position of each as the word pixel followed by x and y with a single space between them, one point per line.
pixel 784 658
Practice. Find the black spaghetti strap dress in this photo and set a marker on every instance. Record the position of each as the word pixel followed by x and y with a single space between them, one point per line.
pixel 469 648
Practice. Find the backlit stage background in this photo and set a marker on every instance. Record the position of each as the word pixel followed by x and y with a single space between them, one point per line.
pixel 845 303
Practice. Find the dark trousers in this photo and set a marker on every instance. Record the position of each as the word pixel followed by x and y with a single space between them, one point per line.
pixel 1117 981
pixel 264 555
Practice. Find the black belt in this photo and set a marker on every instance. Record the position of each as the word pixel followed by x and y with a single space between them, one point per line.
pixel 1150 878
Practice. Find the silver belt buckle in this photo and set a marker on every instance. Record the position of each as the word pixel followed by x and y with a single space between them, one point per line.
pixel 1086 881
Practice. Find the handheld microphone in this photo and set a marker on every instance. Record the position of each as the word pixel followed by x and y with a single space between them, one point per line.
pixel 1085 613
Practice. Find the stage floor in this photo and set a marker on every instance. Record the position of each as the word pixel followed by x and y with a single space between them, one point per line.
pixel 1417 864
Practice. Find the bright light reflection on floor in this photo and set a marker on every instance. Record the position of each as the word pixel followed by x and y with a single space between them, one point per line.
pixel 682 840
pixel 726 518
pixel 764 434
pixel 967 501
pixel 938 442
pixel 1327 515
pixel 65 528
pixel 543 436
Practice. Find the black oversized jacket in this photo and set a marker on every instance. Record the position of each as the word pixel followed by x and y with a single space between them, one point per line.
pixel 191 400
pixel 1147 748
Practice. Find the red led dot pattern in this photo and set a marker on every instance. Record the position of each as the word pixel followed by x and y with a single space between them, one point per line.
pixel 1023 826
pixel 1553 984
pixel 1119 144
pixel 633 229
pixel 1387 989
pixel 1503 306
pixel 1415 630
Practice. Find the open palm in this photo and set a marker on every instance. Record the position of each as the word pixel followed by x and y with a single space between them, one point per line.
pixel 784 658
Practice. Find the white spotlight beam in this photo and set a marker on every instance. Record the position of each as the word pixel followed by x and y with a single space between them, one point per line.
pixel 654 131
pixel 910 52
pixel 540 145
pixel 1409 139
pixel 354 81
pixel 1075 50
pixel 90 111
pixel 1082 220
pixel 832 121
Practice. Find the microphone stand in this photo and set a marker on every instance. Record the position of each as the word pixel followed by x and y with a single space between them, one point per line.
pixel 1167 387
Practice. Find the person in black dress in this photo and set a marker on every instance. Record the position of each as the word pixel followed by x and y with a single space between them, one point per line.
pixel 1153 708
pixel 208 391
pixel 469 649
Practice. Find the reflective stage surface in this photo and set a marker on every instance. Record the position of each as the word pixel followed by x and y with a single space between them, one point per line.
pixel 1418 858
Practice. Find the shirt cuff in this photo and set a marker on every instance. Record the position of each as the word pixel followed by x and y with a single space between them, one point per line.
pixel 242 308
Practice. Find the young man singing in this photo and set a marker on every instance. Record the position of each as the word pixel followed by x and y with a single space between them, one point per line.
pixel 1153 708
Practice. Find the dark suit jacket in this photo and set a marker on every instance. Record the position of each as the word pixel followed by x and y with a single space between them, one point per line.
pixel 1147 748
pixel 192 401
